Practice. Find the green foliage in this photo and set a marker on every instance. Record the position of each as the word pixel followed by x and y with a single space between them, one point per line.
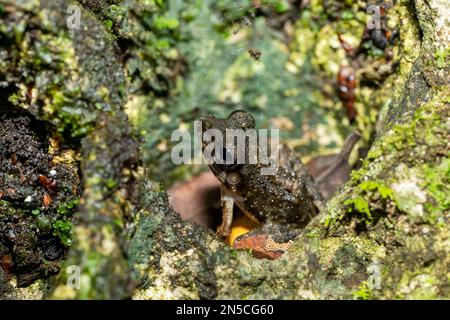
pixel 359 204
pixel 442 58
pixel 377 186
pixel 163 22
pixel 366 191
pixel 282 6
pixel 111 183
pixel 437 183
pixel 44 223
pixel 108 24
pixel 63 230
pixel 347 15
pixel 363 292
pixel 372 50
pixel 68 208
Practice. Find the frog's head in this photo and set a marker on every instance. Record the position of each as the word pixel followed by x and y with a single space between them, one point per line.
pixel 238 119
pixel 229 173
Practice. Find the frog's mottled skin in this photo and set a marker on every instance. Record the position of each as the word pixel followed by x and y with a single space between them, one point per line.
pixel 288 198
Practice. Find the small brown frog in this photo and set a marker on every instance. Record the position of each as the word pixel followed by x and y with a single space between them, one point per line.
pixel 288 198
pixel 282 203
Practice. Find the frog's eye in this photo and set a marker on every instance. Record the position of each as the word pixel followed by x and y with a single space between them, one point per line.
pixel 225 161
pixel 242 119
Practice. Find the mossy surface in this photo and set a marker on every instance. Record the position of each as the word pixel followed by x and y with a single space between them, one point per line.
pixel 71 82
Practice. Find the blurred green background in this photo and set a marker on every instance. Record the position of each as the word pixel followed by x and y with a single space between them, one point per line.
pixel 204 67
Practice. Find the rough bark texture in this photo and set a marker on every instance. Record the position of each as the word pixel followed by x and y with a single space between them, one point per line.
pixel 384 235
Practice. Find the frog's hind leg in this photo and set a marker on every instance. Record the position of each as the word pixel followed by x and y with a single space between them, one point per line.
pixel 239 202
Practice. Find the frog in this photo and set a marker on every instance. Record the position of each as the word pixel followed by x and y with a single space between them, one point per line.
pixel 287 199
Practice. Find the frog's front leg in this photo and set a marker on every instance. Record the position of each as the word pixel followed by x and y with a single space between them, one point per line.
pixel 230 199
pixel 227 199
